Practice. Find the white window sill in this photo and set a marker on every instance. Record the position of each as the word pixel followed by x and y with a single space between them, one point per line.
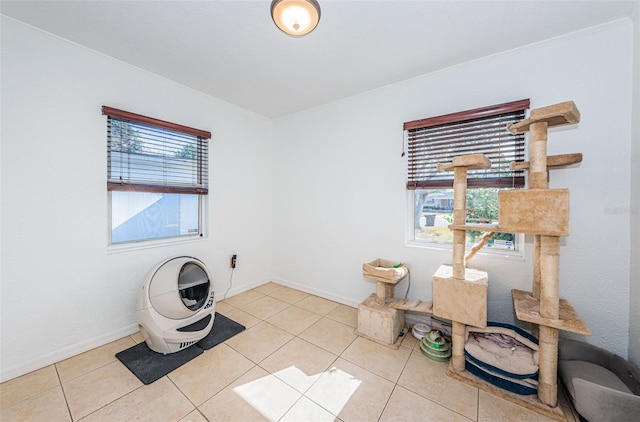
pixel 491 253
pixel 152 244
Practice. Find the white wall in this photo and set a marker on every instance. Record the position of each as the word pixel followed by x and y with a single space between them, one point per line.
pixel 331 198
pixel 62 292
pixel 634 299
pixel 340 201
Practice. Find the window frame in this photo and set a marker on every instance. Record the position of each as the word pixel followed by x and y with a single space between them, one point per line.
pixel 411 241
pixel 160 172
pixel 415 181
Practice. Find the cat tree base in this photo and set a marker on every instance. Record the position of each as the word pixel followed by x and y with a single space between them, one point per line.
pixel 531 402
pixel 380 323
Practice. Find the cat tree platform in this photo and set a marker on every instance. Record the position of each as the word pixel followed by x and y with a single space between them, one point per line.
pixel 528 309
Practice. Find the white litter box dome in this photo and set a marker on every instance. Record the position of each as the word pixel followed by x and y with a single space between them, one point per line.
pixel 176 305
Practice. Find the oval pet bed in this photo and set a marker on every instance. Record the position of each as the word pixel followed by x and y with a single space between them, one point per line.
pixel 504 355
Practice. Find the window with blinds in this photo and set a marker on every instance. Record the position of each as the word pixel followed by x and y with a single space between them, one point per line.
pixel 157 175
pixel 438 140
pixel 480 131
pixel 150 155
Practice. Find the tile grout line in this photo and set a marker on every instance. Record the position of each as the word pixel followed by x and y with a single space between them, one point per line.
pixel 313 383
pixel 64 394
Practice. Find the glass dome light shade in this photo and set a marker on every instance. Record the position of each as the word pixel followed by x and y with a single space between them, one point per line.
pixel 295 17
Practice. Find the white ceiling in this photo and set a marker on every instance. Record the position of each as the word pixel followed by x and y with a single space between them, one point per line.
pixel 232 50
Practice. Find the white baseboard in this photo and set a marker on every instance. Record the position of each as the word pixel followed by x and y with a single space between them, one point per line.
pixel 220 294
pixel 84 346
pixel 318 292
pixel 65 353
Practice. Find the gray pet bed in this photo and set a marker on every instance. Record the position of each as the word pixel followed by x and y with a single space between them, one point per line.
pixel 602 386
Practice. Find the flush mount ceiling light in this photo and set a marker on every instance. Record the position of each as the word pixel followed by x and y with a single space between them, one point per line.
pixel 295 17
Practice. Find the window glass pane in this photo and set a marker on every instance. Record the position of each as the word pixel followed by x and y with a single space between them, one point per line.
pixel 433 212
pixel 144 216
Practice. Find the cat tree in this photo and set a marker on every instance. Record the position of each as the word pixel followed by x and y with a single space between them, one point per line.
pixel 460 293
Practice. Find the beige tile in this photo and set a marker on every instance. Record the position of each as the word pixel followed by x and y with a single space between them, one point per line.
pixel 194 416
pixel 158 401
pixel 137 337
pixel 307 411
pixel 91 391
pixel 93 359
pixel 298 363
pixel 492 408
pixel 409 341
pixel 379 359
pixel 330 335
pixel 294 320
pixel 265 307
pixel 28 385
pixel 317 305
pixel 259 341
pixel 289 295
pixel 344 314
pixel 45 407
pixel 429 379
pixel 243 298
pixel 209 373
pixel 256 396
pixel 268 288
pixel 407 406
pixel 223 307
pixel 350 392
pixel 241 317
pixel 227 405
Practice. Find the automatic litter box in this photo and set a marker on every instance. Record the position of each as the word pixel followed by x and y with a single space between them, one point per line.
pixel 176 305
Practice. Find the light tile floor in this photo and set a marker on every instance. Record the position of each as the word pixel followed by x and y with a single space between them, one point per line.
pixel 298 360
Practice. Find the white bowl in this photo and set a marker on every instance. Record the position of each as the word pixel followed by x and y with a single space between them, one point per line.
pixel 419 337
pixel 421 329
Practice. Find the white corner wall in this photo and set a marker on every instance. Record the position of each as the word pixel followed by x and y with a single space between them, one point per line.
pixel 340 200
pixel 62 292
pixel 634 297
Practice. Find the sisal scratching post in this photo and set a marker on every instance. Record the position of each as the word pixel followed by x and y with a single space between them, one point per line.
pixel 549 308
pixel 549 268
pixel 538 173
pixel 383 292
pixel 536 278
pixel 459 217
pixel 548 374
pixel 458 329
pixel 458 340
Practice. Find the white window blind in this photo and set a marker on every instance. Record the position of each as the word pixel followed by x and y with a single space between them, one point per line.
pixel 151 155
pixel 479 131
